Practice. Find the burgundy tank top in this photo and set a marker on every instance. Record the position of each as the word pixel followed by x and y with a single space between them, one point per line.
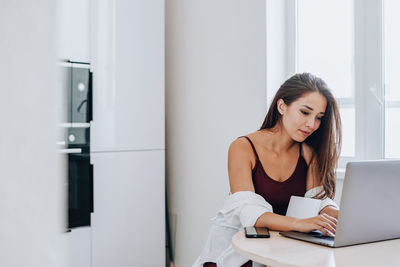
pixel 278 193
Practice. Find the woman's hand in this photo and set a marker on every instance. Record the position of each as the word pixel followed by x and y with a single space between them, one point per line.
pixel 331 211
pixel 322 222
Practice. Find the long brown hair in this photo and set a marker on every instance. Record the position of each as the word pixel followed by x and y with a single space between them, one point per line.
pixel 327 139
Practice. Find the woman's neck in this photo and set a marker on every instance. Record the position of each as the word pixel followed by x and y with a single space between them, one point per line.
pixel 277 140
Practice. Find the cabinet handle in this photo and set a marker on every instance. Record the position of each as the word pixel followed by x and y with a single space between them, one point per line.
pixel 70 150
pixel 74 125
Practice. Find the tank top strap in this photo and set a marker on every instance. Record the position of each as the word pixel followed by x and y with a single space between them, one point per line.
pixel 252 146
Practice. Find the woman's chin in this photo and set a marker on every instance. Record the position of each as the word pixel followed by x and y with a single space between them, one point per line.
pixel 299 138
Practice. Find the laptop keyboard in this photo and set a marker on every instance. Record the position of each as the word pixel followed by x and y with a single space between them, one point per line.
pixel 319 234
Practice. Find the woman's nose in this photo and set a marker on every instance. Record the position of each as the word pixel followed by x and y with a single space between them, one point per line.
pixel 310 123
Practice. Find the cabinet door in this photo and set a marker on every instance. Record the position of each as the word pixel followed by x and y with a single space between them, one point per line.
pixel 128 75
pixel 128 223
pixel 73 29
pixel 79 248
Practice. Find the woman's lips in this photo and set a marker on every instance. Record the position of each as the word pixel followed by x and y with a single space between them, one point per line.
pixel 305 133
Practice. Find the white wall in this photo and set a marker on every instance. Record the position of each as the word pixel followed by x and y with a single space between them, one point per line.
pixel 278 46
pixel 31 184
pixel 215 92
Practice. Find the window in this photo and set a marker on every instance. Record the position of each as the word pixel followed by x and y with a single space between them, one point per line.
pixel 354 46
pixel 325 48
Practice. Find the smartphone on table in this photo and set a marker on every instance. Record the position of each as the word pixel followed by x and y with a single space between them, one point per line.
pixel 256 232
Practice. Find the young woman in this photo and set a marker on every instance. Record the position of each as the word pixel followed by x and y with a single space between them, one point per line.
pixel 295 151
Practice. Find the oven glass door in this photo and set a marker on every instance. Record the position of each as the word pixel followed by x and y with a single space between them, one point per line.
pixel 80 190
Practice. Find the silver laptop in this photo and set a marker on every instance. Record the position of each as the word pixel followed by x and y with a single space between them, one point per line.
pixel 369 206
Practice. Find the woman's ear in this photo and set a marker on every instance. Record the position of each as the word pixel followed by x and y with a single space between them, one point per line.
pixel 281 106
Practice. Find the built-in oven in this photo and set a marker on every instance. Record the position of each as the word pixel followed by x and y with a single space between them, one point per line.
pixel 77 104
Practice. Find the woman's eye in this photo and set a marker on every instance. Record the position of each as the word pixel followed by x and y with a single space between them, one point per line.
pixel 304 112
pixel 319 118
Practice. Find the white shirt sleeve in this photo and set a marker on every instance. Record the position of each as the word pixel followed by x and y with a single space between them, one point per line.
pixel 242 209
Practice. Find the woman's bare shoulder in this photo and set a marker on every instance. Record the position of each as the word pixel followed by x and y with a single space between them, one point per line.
pixel 241 147
pixel 308 153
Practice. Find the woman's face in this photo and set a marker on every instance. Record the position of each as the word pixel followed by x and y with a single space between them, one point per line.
pixel 303 116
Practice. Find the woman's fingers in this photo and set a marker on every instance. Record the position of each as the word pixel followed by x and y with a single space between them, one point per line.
pixel 324 223
pixel 327 222
pixel 324 231
pixel 326 226
pixel 330 221
pixel 331 218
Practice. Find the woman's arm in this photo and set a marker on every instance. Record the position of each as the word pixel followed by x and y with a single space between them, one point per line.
pixel 240 157
pixel 241 160
pixel 284 223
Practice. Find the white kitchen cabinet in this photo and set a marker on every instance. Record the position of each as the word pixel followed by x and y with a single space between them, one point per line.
pixel 128 72
pixel 79 247
pixel 73 19
pixel 128 222
pixel 123 40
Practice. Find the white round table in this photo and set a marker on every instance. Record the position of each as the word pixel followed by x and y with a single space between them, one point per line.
pixel 279 251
